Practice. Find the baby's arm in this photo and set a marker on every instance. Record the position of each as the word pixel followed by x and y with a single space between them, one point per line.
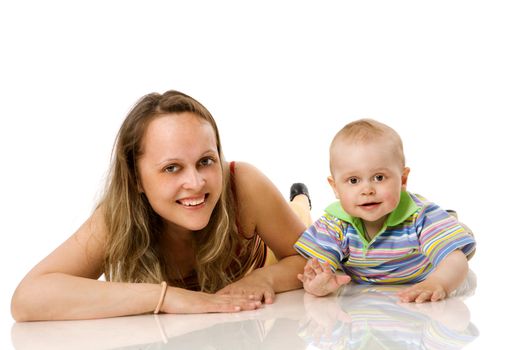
pixel 448 276
pixel 319 279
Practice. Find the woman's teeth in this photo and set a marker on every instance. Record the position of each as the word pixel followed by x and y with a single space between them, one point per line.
pixel 192 202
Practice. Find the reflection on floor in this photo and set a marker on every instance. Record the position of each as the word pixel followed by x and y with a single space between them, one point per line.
pixel 359 317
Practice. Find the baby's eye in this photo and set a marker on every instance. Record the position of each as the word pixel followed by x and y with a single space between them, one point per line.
pixel 379 178
pixel 353 180
pixel 170 169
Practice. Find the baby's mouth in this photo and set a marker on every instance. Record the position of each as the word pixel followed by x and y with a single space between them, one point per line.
pixel 369 204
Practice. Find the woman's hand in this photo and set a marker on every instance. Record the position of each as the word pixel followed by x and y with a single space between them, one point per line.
pixel 182 301
pixel 319 279
pixel 253 286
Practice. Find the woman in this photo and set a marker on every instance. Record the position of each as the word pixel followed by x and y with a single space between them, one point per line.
pixel 173 211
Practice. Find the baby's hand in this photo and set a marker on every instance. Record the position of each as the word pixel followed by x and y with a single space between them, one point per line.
pixel 319 279
pixel 421 292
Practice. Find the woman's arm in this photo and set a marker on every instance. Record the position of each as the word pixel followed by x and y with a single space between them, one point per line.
pixel 64 286
pixel 264 211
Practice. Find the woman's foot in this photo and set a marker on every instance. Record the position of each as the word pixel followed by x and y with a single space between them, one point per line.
pixel 299 188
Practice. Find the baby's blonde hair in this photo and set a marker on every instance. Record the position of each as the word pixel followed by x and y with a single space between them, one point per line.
pixel 368 130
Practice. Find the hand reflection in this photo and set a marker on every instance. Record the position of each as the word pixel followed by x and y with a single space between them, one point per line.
pixel 268 327
pixel 116 332
pixel 359 316
pixel 371 316
pixel 323 324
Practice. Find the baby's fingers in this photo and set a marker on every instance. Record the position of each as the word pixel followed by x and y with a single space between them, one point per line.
pixel 438 295
pixel 325 266
pixel 309 272
pixel 409 295
pixel 343 279
pixel 423 296
pixel 420 295
pixel 316 266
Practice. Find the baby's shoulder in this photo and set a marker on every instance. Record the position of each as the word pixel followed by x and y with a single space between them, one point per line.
pixel 423 204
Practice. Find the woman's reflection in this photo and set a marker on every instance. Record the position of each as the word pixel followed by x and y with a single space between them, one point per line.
pixel 267 328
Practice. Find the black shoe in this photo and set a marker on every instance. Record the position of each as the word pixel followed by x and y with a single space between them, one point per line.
pixel 300 188
pixel 452 213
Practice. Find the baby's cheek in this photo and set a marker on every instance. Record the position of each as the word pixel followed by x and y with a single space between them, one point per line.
pixel 391 201
pixel 348 207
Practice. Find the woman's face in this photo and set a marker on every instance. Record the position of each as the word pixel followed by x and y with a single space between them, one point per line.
pixel 180 171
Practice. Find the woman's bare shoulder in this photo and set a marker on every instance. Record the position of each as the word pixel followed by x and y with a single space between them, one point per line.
pixel 264 210
pixel 249 178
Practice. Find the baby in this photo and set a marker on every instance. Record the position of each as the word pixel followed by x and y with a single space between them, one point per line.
pixel 378 233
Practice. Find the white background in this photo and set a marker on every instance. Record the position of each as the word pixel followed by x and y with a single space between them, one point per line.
pixel 280 77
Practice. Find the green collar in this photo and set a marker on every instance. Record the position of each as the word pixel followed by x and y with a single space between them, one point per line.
pixel 404 209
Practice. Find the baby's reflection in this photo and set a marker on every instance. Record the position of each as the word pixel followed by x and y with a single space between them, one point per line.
pixel 371 317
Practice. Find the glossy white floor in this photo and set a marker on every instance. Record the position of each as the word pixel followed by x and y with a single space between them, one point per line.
pixel 280 77
pixel 359 317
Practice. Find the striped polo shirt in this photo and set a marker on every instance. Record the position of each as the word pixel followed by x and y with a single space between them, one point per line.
pixel 414 239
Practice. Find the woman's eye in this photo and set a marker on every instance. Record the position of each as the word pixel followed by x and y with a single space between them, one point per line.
pixel 353 180
pixel 171 169
pixel 379 178
pixel 207 161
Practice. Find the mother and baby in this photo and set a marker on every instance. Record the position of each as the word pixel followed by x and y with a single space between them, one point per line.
pixel 181 230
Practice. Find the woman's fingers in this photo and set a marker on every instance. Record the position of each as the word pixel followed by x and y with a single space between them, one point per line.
pixel 269 296
pixel 233 303
pixel 189 302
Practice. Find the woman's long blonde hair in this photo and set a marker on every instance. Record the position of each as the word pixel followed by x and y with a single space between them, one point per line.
pixel 134 228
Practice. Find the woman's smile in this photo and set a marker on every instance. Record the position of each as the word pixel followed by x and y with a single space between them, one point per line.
pixel 193 202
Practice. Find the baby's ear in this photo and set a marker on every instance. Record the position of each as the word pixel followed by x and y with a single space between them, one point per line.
pixel 331 181
pixel 404 178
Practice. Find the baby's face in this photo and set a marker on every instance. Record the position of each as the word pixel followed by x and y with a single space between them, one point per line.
pixel 367 177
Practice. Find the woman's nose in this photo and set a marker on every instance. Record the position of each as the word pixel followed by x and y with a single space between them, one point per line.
pixel 193 179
